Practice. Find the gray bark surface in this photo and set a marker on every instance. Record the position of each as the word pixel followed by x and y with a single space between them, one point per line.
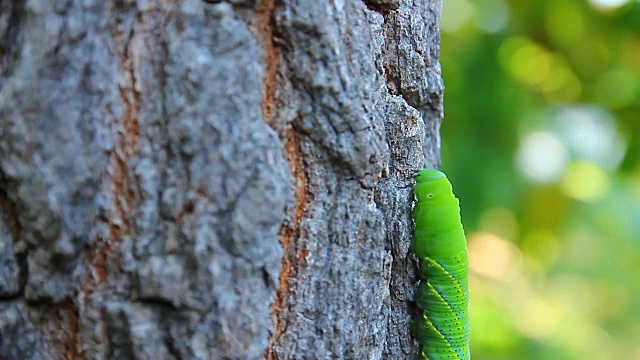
pixel 212 180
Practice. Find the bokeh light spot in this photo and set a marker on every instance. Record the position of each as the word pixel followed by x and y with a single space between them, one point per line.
pixel 535 66
pixel 455 14
pixel 530 64
pixel 491 255
pixel 591 134
pixel 562 85
pixel 585 181
pixel 564 22
pixel 542 157
pixel 608 4
pixel 500 221
pixel 616 88
pixel 538 319
pixel 493 15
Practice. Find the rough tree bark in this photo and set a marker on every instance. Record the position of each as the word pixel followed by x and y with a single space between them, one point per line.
pixel 212 180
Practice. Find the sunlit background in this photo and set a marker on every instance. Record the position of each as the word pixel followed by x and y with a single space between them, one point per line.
pixel 541 139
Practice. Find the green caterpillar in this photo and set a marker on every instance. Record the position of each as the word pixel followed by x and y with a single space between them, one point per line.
pixel 442 330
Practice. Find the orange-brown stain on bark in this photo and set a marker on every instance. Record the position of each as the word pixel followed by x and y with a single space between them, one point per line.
pixel 292 259
pixel 262 26
pixel 117 178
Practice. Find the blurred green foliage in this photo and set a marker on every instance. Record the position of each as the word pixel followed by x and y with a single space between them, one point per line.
pixel 541 139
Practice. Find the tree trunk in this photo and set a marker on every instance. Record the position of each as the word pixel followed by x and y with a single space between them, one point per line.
pixel 212 180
